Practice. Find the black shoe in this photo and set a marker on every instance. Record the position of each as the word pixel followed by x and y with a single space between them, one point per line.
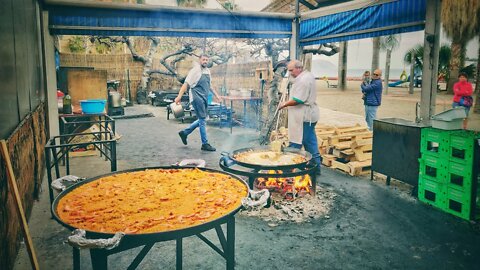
pixel 183 136
pixel 208 147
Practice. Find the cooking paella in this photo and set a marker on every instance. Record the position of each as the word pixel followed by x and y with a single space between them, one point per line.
pixel 270 158
pixel 148 201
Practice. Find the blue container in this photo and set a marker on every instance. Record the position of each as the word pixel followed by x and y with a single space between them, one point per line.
pixel 209 98
pixel 93 105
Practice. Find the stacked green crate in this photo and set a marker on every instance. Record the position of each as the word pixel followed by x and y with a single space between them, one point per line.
pixel 462 174
pixel 448 171
pixel 433 165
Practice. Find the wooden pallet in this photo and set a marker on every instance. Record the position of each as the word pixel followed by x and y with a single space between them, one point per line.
pixel 341 166
pixel 363 153
pixel 360 167
pixel 348 149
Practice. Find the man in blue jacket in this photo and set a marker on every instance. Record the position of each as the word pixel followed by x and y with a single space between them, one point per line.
pixel 373 97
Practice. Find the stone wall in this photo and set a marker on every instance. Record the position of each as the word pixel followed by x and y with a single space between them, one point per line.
pixel 26 149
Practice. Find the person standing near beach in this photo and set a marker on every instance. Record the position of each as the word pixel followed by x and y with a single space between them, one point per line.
pixel 303 112
pixel 366 79
pixel 198 80
pixel 462 97
pixel 373 97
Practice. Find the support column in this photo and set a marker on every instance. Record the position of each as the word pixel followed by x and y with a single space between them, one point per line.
pixel 430 60
pixel 295 50
pixel 50 76
pixel 342 66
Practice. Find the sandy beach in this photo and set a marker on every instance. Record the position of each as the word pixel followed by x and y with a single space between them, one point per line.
pixel 396 103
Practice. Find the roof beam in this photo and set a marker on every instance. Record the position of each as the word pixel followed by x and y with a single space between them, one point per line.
pixel 307 4
pixel 326 3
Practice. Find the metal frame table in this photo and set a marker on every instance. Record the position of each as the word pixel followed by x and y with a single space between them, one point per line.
pixel 255 100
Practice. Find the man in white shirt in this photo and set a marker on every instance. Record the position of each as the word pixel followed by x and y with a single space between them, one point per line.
pixel 303 112
pixel 198 80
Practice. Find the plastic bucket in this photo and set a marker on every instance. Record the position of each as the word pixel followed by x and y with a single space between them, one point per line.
pixel 93 105
pixel 209 98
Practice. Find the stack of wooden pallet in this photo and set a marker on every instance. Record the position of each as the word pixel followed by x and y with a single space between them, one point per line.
pixel 348 149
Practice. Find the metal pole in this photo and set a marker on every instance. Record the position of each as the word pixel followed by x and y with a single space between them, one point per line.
pixel 179 254
pixel 430 60
pixel 230 252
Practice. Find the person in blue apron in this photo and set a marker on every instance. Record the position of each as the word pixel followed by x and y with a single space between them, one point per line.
pixel 198 80
pixel 303 112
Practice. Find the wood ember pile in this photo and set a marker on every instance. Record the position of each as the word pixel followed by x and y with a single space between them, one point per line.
pixel 299 210
pixel 348 149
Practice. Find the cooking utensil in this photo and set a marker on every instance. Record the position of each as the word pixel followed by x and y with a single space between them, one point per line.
pixel 177 110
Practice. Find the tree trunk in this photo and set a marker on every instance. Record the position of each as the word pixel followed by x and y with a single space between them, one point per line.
pixel 454 65
pixel 273 100
pixel 476 109
pixel 148 65
pixel 376 54
pixel 387 69
pixel 412 74
pixel 342 66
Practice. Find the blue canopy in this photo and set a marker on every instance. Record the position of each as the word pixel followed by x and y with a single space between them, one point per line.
pixel 389 17
pixel 72 20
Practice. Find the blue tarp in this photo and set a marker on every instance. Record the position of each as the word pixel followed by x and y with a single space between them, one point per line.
pixel 68 20
pixel 371 21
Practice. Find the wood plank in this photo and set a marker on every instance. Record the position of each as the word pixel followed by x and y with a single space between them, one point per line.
pixel 362 156
pixel 18 205
pixel 360 167
pixel 341 166
pixel 348 152
pixel 361 142
pixel 342 145
pixel 351 130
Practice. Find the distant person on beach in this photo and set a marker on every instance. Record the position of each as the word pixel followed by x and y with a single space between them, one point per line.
pixel 373 97
pixel 366 79
pixel 198 80
pixel 303 112
pixel 462 97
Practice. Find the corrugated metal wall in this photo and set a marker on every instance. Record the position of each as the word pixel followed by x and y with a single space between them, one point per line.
pixel 21 80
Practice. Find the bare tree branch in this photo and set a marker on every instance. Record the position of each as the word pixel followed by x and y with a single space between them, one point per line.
pixel 322 49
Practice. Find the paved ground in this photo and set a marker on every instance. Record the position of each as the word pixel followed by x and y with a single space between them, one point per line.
pixel 371 226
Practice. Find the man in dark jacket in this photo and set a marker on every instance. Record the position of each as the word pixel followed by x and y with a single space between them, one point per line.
pixel 373 97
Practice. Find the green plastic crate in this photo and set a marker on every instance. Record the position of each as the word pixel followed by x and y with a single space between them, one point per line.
pixel 462 146
pixel 435 142
pixel 433 167
pixel 431 192
pixel 458 203
pixel 459 176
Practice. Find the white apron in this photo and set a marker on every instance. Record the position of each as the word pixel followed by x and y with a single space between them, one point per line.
pixel 295 123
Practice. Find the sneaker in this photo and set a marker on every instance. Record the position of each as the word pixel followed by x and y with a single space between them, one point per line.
pixel 208 147
pixel 183 136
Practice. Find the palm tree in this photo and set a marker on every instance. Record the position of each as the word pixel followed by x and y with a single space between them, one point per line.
pixel 443 59
pixel 460 23
pixel 376 54
pixel 389 43
pixel 476 109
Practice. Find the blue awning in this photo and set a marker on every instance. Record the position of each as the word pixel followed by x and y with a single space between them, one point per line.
pixel 390 17
pixel 69 20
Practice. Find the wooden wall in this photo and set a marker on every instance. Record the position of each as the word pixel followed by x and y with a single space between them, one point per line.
pixel 26 149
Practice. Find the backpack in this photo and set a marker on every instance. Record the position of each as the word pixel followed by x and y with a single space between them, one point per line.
pixel 466 101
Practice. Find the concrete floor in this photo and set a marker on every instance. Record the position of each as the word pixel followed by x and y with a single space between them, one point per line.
pixel 371 226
